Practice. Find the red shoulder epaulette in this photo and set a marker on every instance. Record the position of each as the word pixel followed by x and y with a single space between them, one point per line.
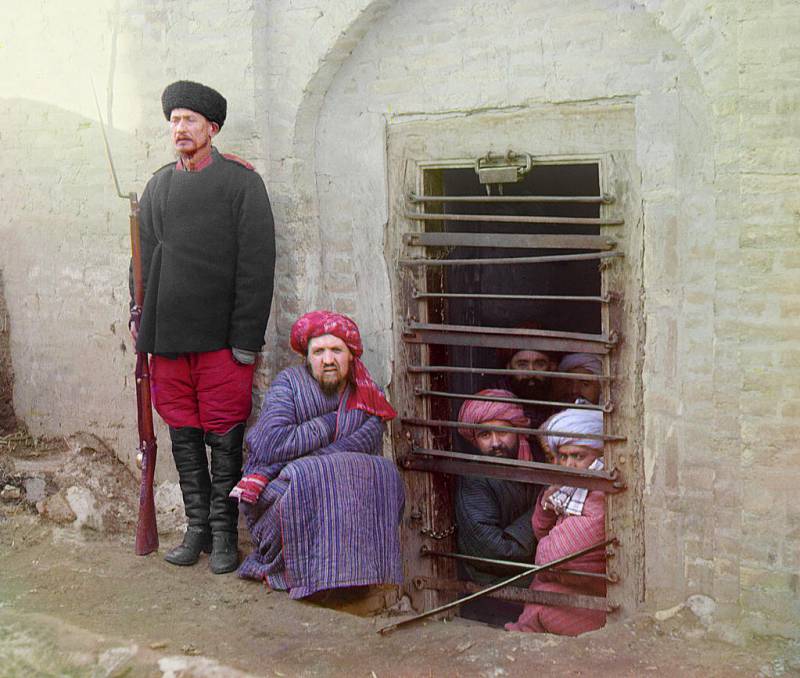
pixel 236 158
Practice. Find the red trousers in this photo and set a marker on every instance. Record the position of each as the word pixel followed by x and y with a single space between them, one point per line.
pixel 209 391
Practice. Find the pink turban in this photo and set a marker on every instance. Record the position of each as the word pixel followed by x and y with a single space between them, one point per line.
pixel 366 396
pixel 480 411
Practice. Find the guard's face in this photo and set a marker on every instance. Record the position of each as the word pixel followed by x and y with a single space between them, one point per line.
pixel 497 443
pixel 583 388
pixel 191 132
pixel 576 456
pixel 329 360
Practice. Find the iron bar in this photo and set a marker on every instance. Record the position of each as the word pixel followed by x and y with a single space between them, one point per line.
pixel 501 371
pixel 591 199
pixel 530 343
pixel 549 259
pixel 511 332
pixel 516 401
pixel 496 587
pixel 449 463
pixel 505 337
pixel 426 550
pixel 521 297
pixel 507 218
pixel 519 595
pixel 515 240
pixel 432 423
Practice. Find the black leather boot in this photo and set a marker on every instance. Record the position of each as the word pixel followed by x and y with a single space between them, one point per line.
pixel 226 471
pixel 189 452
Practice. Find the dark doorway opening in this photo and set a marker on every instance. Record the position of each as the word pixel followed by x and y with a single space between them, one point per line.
pixel 486 302
pixel 568 278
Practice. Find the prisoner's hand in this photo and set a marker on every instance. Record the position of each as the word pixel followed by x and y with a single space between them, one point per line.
pixel 548 505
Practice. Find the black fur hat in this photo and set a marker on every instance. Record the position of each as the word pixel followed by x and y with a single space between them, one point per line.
pixel 196 97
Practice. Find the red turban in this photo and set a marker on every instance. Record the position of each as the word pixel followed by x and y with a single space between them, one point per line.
pixel 366 395
pixel 480 411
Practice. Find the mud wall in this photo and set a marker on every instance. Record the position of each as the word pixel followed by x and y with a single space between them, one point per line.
pixel 8 420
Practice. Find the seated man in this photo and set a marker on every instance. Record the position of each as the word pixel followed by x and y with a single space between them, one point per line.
pixel 580 390
pixel 322 505
pixel 493 516
pixel 566 520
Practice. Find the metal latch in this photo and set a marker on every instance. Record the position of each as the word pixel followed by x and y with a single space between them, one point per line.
pixel 510 168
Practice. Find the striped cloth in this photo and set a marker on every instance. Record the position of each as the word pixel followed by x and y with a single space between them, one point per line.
pixel 570 500
pixel 560 535
pixel 494 521
pixel 329 516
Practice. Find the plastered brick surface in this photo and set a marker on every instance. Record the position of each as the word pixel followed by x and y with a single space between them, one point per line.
pixel 315 89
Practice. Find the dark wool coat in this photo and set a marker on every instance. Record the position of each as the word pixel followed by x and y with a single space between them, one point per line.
pixel 493 519
pixel 208 259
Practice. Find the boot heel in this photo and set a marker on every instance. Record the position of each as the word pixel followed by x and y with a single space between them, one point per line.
pixel 188 552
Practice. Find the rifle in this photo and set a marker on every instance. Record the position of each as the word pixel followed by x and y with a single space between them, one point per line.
pixel 146 529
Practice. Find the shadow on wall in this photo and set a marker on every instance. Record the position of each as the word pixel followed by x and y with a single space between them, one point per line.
pixel 8 420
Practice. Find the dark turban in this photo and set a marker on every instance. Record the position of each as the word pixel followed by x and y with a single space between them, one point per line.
pixel 366 395
pixel 196 97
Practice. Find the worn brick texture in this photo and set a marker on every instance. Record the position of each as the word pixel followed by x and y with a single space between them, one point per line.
pixel 315 89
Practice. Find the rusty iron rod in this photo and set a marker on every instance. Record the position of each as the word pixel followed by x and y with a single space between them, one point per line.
pixel 425 550
pixel 522 297
pixel 509 240
pixel 591 199
pixel 496 587
pixel 448 463
pixel 499 371
pixel 520 595
pixel 432 423
pixel 505 218
pixel 516 343
pixel 510 260
pixel 516 401
pixel 511 332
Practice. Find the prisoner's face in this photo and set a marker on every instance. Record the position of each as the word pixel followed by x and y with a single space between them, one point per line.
pixel 497 443
pixel 577 456
pixel 530 386
pixel 583 388
pixel 329 360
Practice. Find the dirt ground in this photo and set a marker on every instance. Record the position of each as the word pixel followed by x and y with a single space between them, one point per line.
pixel 76 601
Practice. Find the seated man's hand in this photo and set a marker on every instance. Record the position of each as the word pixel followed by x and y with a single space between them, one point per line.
pixel 249 488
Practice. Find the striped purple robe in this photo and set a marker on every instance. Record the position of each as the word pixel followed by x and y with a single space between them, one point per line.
pixel 330 515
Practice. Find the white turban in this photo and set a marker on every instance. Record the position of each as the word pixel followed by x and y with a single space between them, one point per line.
pixel 586 361
pixel 574 421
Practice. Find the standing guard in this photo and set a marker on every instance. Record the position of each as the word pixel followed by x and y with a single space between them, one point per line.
pixel 208 259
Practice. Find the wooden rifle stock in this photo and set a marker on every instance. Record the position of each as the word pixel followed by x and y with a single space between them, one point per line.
pixel 146 529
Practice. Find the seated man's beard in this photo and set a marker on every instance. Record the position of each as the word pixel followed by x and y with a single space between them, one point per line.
pixel 330 382
pixel 531 388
